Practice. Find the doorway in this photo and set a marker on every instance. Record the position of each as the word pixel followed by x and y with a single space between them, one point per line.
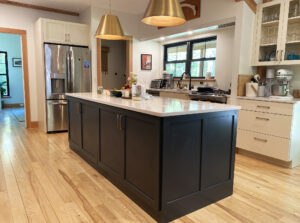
pixel 113 63
pixel 127 57
pixel 14 75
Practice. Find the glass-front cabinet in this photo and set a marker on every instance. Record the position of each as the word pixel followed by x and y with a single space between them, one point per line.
pixel 277 33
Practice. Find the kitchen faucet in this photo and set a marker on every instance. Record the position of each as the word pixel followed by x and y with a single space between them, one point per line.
pixel 190 76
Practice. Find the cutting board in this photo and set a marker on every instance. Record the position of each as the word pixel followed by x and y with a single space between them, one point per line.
pixel 242 80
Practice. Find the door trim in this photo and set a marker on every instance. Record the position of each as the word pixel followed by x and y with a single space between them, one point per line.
pixel 23 34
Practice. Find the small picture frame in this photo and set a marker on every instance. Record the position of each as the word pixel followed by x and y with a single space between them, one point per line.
pixel 17 62
pixel 146 62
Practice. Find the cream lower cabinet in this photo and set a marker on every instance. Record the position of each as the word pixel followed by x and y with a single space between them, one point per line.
pixel 270 129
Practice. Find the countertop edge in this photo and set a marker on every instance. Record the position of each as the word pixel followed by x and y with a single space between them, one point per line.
pixel 294 101
pixel 157 114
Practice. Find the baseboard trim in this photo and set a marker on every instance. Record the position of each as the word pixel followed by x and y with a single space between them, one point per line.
pixel 18 105
pixel 33 125
pixel 265 158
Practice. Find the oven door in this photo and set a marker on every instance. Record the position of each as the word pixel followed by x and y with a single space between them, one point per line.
pixel 57 115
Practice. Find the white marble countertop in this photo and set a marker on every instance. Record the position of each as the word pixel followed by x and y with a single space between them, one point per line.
pixel 287 101
pixel 157 106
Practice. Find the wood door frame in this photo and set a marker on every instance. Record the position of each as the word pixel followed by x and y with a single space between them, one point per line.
pixel 27 109
pixel 129 55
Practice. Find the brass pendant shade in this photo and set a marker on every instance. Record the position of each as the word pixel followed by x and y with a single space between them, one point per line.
pixel 164 13
pixel 110 28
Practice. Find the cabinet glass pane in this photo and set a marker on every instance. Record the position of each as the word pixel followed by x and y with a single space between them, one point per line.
pixel 292 47
pixel 294 9
pixel 269 33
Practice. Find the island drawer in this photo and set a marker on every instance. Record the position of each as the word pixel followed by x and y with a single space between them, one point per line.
pixel 267 145
pixel 267 107
pixel 270 124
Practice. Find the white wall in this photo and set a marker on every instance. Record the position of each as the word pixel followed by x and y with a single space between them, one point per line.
pixel 12 45
pixel 147 47
pixel 224 59
pixel 116 64
pixel 242 48
pixel 23 18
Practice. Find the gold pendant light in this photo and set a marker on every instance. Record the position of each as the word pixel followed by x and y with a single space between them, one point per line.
pixel 110 27
pixel 164 13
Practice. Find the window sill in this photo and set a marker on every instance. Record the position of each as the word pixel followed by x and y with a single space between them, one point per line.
pixel 196 79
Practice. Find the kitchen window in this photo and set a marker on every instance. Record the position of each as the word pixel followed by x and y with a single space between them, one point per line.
pixel 197 57
pixel 4 72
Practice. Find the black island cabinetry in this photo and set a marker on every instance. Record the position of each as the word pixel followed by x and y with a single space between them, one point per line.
pixel 170 166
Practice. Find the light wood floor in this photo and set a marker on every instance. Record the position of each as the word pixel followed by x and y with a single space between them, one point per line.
pixel 41 180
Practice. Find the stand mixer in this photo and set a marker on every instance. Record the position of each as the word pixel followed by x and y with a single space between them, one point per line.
pixel 281 90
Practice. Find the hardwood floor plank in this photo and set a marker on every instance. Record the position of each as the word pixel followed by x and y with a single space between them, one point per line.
pixel 42 180
pixel 15 199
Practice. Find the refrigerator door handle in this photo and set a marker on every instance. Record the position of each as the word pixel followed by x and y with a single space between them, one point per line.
pixel 68 72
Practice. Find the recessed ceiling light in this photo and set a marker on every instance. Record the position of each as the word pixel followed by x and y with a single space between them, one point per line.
pixel 162 38
pixel 190 32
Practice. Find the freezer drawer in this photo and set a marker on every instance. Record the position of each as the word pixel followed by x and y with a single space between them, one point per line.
pixel 57 115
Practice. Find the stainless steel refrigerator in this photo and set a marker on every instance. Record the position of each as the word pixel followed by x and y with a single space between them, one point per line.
pixel 68 70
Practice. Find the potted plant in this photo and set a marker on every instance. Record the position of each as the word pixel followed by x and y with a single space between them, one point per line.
pixel 2 91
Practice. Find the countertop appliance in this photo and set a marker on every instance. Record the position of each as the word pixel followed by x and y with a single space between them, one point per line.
pixel 209 94
pixel 282 88
pixel 67 70
pixel 157 83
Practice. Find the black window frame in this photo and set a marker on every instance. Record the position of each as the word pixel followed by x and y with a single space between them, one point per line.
pixel 189 58
pixel 7 76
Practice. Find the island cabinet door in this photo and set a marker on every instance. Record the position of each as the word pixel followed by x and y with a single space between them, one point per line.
pixel 90 131
pixel 75 136
pixel 111 157
pixel 142 155
pixel 198 161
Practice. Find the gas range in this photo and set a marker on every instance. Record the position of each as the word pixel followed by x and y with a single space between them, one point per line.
pixel 215 97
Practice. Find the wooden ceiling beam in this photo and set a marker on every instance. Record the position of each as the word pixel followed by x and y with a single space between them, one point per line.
pixel 251 3
pixel 37 7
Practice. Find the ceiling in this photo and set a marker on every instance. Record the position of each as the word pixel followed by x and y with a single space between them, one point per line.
pixel 129 6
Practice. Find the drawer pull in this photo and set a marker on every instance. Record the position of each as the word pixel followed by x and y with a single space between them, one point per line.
pixel 261 140
pixel 261 106
pixel 121 122
pixel 265 119
pixel 118 122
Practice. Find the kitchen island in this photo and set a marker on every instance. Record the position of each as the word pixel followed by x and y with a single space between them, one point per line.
pixel 170 156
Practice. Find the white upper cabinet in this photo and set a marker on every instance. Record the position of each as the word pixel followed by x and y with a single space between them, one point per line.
pixel 78 34
pixel 55 31
pixel 277 33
